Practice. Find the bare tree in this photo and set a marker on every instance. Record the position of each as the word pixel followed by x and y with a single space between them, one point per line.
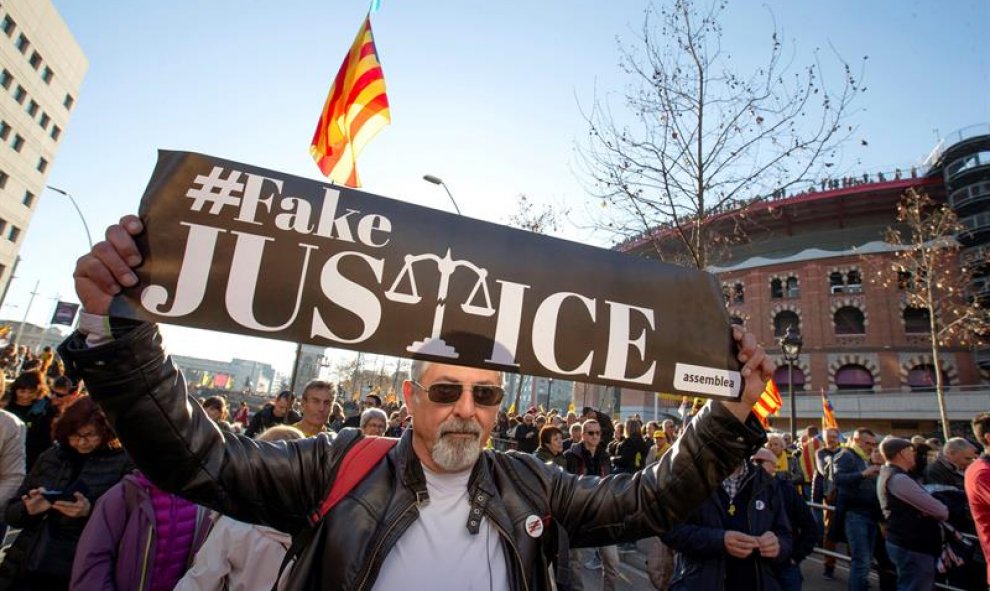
pixel 700 138
pixel 927 270
pixel 349 372
pixel 528 216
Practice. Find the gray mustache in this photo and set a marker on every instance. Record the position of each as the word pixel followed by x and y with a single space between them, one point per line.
pixel 454 425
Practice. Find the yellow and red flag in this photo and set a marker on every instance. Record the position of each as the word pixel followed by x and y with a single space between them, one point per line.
pixel 828 413
pixel 355 110
pixel 768 404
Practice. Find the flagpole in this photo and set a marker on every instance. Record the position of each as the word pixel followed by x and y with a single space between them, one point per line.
pixel 295 368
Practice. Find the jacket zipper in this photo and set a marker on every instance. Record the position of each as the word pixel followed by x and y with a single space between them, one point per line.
pixel 381 542
pixel 147 553
pixel 515 550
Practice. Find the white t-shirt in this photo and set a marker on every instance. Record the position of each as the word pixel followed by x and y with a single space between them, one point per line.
pixel 438 553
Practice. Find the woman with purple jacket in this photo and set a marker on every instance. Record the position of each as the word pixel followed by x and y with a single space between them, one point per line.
pixel 139 538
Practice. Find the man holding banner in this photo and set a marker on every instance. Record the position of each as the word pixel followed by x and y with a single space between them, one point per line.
pixel 440 511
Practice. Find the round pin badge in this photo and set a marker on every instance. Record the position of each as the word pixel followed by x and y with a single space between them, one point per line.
pixel 760 505
pixel 534 526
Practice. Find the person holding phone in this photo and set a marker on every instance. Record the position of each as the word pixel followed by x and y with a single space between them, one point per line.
pixel 53 503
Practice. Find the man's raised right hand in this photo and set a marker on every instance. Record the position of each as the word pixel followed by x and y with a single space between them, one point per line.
pixel 104 271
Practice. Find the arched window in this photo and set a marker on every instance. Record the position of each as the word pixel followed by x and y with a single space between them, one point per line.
pixel 781 375
pixel 921 378
pixel 854 278
pixel 776 289
pixel 738 295
pixel 853 377
pixel 835 279
pixel 849 320
pixel 737 320
pixel 793 291
pixel 783 320
pixel 916 320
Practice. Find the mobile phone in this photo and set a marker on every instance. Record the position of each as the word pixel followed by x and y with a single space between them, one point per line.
pixel 58 495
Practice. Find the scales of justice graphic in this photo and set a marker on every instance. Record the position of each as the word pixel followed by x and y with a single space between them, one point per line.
pixel 434 345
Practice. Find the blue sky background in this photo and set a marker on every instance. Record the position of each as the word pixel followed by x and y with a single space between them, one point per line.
pixel 487 96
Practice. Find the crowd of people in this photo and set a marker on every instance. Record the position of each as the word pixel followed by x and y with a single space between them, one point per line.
pixel 83 517
pixel 88 519
pixel 897 507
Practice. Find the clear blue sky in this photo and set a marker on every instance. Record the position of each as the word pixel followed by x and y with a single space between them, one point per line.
pixel 485 95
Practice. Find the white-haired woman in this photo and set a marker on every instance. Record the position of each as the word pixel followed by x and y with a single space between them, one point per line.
pixel 373 422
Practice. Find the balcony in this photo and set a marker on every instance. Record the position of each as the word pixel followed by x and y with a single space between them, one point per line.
pixel 977 229
pixel 968 169
pixel 975 257
pixel 971 199
pixel 963 403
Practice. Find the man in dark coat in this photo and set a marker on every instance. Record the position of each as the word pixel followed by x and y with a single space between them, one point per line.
pixel 588 457
pixel 608 430
pixel 278 412
pixel 804 527
pixel 857 506
pixel 527 435
pixel 630 454
pixel 736 540
pixel 949 468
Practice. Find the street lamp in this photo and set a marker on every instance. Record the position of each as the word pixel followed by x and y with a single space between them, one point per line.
pixel 79 211
pixel 790 344
pixel 549 392
pixel 438 181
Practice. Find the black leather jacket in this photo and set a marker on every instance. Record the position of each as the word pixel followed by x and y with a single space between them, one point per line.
pixel 280 484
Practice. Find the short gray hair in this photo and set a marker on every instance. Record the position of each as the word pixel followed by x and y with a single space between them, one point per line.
pixel 372 413
pixel 957 444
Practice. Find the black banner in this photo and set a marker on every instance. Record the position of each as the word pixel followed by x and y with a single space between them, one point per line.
pixel 237 248
pixel 65 313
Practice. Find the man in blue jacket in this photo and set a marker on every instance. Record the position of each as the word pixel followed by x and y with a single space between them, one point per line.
pixel 857 506
pixel 736 539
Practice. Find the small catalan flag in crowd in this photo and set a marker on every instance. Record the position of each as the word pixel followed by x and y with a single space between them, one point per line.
pixel 768 404
pixel 828 413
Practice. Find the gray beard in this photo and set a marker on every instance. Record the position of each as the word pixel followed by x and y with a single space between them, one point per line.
pixel 457 454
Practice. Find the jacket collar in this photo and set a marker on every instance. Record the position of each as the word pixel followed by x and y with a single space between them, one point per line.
pixel 408 467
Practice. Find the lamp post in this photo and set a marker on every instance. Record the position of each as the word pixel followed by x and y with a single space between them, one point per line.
pixel 79 211
pixel 439 181
pixel 790 344
pixel 549 392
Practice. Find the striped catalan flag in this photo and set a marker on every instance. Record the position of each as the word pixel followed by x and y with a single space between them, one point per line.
pixel 355 110
pixel 828 413
pixel 769 403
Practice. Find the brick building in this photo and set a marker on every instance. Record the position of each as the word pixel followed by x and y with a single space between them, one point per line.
pixel 807 263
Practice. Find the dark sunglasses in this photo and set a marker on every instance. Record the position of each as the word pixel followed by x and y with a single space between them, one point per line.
pixel 450 393
pixel 592 432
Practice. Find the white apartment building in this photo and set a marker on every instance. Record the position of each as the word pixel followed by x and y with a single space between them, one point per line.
pixel 41 70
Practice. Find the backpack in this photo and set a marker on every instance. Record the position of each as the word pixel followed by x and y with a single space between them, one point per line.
pixel 357 462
